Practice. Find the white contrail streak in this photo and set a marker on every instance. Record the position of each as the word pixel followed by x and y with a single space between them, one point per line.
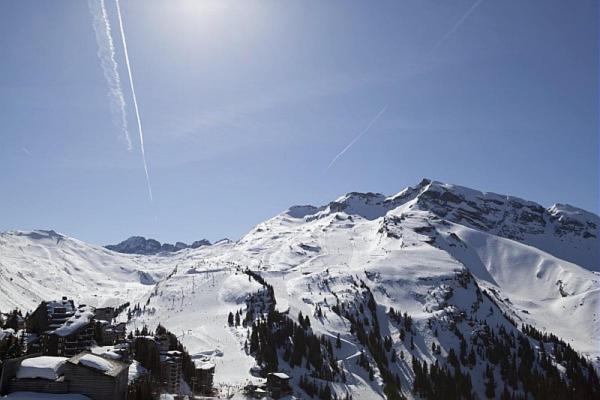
pixel 135 104
pixel 106 54
pixel 379 114
pixel 456 26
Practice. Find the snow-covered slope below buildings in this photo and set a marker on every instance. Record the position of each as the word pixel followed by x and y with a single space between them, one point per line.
pixel 426 251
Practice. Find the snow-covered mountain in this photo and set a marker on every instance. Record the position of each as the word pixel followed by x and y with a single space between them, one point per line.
pixel 562 230
pixel 460 263
pixel 42 265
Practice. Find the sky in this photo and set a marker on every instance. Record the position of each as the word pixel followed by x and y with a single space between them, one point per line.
pixel 245 104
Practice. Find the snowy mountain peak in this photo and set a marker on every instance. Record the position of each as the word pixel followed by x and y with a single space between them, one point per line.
pixel 562 230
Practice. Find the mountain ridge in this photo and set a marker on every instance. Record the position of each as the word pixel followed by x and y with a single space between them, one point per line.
pixel 504 215
pixel 141 245
pixel 440 253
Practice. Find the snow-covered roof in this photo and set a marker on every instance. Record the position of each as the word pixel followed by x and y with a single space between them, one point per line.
pixel 280 375
pixel 107 351
pixel 82 317
pixel 96 362
pixel 44 367
pixel 100 364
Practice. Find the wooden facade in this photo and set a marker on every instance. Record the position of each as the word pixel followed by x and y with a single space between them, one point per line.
pixel 51 315
pixel 171 371
pixel 104 314
pixel 203 378
pixel 68 346
pixel 96 384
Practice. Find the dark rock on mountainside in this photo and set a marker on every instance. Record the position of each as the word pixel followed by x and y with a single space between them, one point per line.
pixel 200 243
pixel 141 245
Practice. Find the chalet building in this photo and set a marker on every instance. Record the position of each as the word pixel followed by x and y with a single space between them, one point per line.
pixel 278 384
pixel 106 334
pixel 104 314
pixel 203 377
pixel 63 329
pixel 90 375
pixel 50 314
pixel 71 338
pixel 97 377
pixel 171 371
pixel 120 332
pixel 255 391
pixel 123 350
pixel 13 320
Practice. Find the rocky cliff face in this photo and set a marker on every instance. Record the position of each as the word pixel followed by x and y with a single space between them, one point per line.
pixel 141 245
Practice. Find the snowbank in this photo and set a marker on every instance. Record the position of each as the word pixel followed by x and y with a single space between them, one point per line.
pixel 44 367
pixel 96 362
pixel 107 352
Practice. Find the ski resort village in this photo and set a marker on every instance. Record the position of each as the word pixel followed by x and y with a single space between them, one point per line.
pixel 437 292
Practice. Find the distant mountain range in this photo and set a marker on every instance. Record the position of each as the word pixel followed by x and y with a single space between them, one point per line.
pixel 141 245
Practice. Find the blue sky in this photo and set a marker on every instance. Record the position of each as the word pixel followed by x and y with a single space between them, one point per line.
pixel 245 103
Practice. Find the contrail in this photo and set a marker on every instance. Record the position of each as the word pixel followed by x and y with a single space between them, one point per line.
pixel 455 27
pixel 135 104
pixel 379 114
pixel 106 54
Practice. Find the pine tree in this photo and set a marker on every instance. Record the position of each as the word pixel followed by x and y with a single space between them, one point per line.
pixel 490 385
